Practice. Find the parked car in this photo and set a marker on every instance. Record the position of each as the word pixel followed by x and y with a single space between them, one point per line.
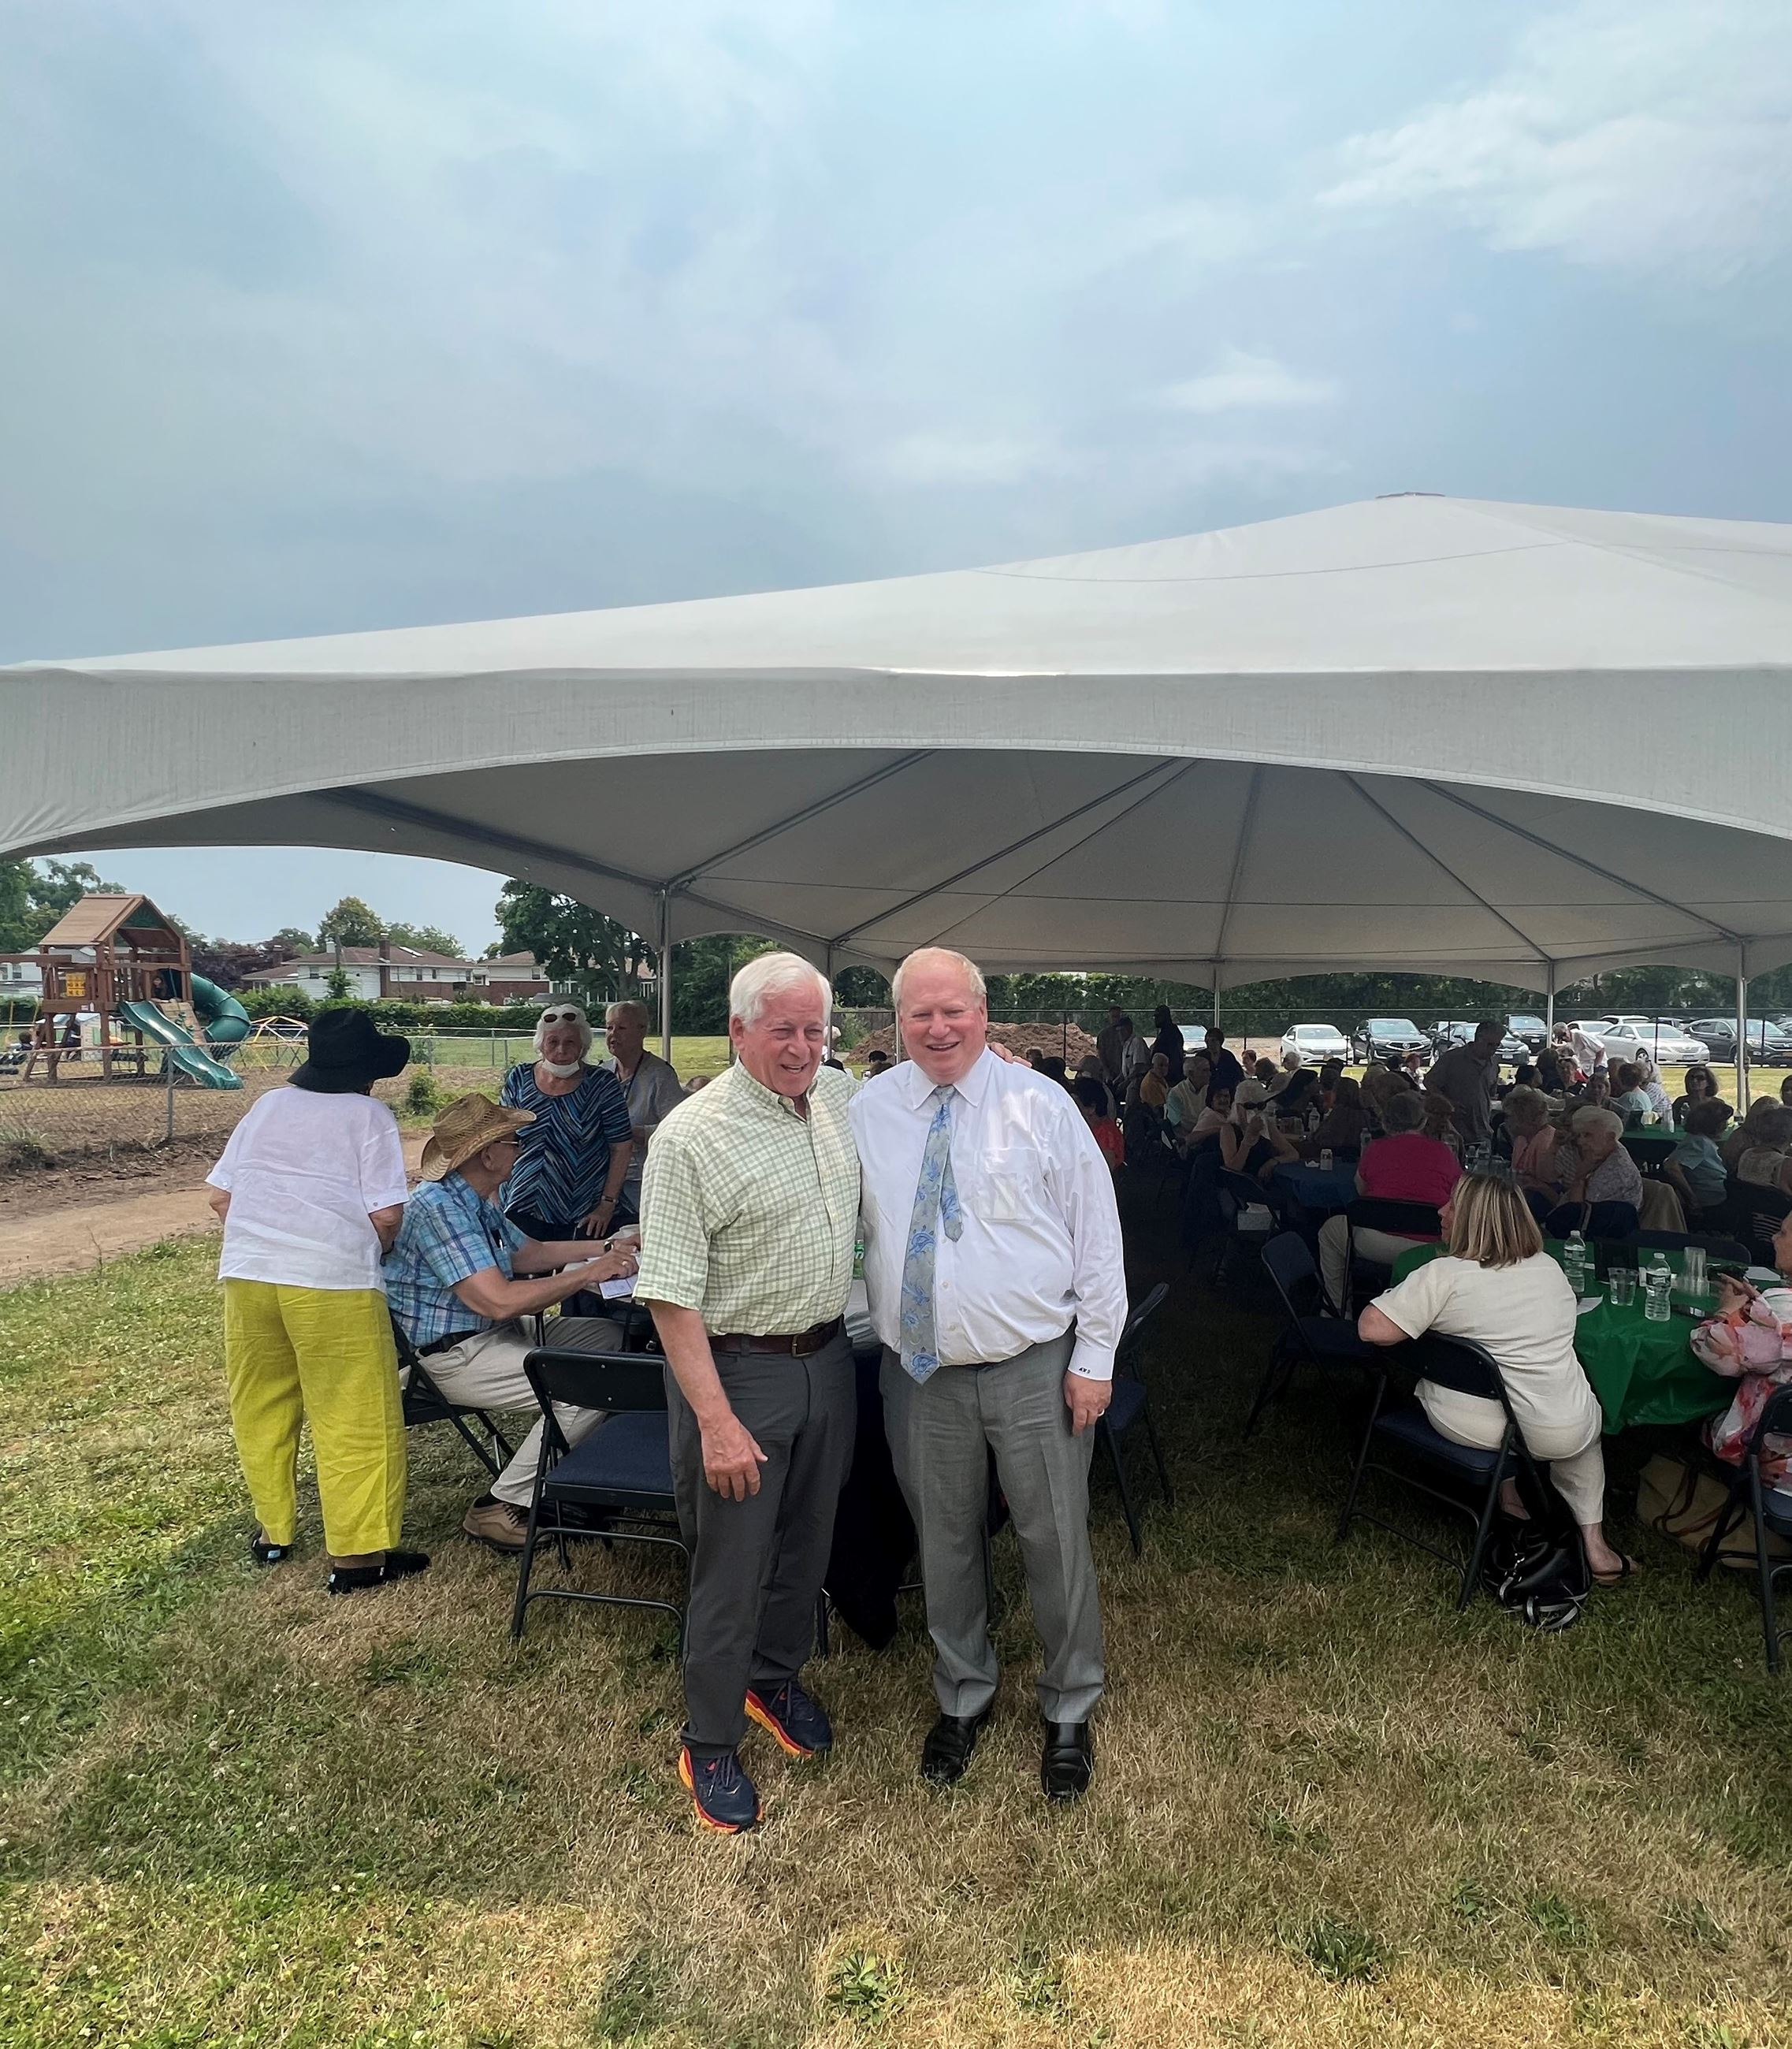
pixel 1458 1032
pixel 1532 1030
pixel 1671 1047
pixel 1378 1038
pixel 1315 1042
pixel 1769 1045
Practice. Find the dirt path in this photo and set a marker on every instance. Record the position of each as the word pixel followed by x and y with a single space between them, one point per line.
pixel 58 1223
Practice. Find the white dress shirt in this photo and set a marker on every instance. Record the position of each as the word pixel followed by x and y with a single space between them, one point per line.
pixel 1040 1247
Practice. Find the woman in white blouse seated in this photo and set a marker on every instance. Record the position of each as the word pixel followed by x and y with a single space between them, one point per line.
pixel 1499 1287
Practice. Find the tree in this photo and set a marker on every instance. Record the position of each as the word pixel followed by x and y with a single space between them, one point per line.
pixel 427 939
pixel 292 941
pixel 32 897
pixel 599 956
pixel 337 986
pixel 352 923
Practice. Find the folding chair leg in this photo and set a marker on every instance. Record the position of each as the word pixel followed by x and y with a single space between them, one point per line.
pixel 1105 1434
pixel 1764 1568
pixel 524 1566
pixel 1362 1461
pixel 1728 1517
pixel 1471 1572
pixel 472 1444
pixel 821 1624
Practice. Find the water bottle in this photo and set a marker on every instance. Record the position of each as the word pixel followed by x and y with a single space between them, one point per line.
pixel 1658 1301
pixel 1574 1263
pixel 1325 1159
pixel 858 1259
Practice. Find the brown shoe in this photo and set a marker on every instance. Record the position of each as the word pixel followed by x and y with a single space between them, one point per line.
pixel 499 1524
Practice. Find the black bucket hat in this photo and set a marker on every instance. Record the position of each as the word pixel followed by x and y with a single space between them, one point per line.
pixel 346 1051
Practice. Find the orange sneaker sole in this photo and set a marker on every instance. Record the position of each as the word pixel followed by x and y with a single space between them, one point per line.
pixel 705 1821
pixel 758 1712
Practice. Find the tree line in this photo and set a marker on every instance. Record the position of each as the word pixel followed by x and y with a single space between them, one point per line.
pixel 602 960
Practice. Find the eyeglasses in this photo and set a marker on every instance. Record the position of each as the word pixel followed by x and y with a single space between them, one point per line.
pixel 562 1017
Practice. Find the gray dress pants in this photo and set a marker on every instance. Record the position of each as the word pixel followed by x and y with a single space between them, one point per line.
pixel 756 1565
pixel 940 1433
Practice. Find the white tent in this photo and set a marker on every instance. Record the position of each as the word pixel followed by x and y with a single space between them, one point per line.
pixel 1418 733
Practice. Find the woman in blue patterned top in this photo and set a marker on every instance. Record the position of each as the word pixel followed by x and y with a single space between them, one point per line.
pixel 575 1155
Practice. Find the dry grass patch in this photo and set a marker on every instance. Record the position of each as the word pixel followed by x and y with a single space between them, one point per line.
pixel 1327 1810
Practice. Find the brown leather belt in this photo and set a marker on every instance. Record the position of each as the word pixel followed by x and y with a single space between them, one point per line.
pixel 795 1344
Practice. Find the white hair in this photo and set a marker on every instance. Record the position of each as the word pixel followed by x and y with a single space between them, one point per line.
pixel 972 975
pixel 761 979
pixel 629 1007
pixel 564 1013
pixel 1595 1116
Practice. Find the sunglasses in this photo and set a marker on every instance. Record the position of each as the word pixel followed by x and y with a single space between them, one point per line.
pixel 562 1017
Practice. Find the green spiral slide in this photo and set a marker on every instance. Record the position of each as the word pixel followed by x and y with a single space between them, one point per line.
pixel 226 1022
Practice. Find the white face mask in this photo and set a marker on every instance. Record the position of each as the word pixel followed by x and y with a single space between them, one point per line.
pixel 562 1070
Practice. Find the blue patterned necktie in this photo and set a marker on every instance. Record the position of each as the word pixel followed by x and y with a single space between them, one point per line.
pixel 936 1208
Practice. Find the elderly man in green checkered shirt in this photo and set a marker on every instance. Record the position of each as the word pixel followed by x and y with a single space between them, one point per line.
pixel 749 1212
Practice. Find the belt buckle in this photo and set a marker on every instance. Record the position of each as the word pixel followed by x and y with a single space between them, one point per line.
pixel 804 1343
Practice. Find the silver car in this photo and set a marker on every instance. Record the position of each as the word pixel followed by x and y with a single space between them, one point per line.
pixel 1669 1046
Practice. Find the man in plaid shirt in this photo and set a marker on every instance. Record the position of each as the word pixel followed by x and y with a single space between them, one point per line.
pixel 749 1213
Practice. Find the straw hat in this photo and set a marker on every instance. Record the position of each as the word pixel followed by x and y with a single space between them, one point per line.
pixel 464 1129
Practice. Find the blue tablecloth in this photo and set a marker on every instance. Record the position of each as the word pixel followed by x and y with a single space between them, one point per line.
pixel 1316 1189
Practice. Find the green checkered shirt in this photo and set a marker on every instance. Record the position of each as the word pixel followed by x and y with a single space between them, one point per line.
pixel 748 1210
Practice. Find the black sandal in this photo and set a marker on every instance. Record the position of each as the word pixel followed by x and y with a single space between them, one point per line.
pixel 1627 1570
pixel 396 1565
pixel 265 1554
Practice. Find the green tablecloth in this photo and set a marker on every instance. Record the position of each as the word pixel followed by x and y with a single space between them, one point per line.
pixel 1650 1146
pixel 1642 1372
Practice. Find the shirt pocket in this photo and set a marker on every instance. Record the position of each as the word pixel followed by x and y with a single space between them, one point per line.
pixel 1000 1184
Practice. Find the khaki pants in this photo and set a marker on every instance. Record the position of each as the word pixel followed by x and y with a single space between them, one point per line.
pixel 1576 1462
pixel 485 1372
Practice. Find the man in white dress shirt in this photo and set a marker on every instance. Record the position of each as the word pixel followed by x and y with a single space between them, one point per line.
pixel 996 1281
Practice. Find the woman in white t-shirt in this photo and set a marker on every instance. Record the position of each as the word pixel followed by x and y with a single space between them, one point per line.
pixel 1499 1287
pixel 311 1190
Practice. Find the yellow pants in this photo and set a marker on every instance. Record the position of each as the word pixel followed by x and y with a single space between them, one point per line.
pixel 327 1354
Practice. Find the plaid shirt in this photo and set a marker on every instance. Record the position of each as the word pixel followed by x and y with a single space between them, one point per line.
pixel 749 1211
pixel 450 1232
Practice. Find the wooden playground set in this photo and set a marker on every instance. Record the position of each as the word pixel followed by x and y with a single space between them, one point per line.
pixel 120 997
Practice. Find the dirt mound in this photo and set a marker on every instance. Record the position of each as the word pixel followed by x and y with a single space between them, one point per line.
pixel 1072 1042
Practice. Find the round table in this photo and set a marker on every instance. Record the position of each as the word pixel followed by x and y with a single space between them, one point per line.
pixel 1642 1372
pixel 1322 1190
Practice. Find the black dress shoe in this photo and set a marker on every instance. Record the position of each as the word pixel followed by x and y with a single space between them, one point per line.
pixel 1068 1763
pixel 947 1750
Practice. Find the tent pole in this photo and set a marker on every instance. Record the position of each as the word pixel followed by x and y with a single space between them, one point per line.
pixel 1549 1004
pixel 827 969
pixel 1742 1030
pixel 665 974
pixel 1216 992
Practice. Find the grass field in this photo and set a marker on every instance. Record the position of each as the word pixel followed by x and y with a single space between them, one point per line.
pixel 1328 1811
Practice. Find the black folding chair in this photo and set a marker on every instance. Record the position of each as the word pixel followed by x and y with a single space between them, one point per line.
pixel 425 1402
pixel 1130 1403
pixel 1308 1338
pixel 622 1471
pixel 1770 1512
pixel 1753 1213
pixel 1417 1221
pixel 1403 1428
pixel 1238 1196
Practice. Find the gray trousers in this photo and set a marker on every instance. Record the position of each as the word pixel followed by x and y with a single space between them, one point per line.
pixel 756 1565
pixel 940 1433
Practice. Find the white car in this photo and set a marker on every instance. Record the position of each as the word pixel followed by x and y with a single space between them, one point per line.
pixel 1627 1036
pixel 1315 1042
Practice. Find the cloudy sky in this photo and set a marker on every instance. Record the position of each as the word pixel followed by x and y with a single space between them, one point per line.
pixel 370 312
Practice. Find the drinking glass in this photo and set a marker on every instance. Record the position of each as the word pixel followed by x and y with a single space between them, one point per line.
pixel 1622 1282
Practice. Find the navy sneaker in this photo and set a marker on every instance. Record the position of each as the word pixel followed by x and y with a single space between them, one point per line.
pixel 794 1718
pixel 725 1798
